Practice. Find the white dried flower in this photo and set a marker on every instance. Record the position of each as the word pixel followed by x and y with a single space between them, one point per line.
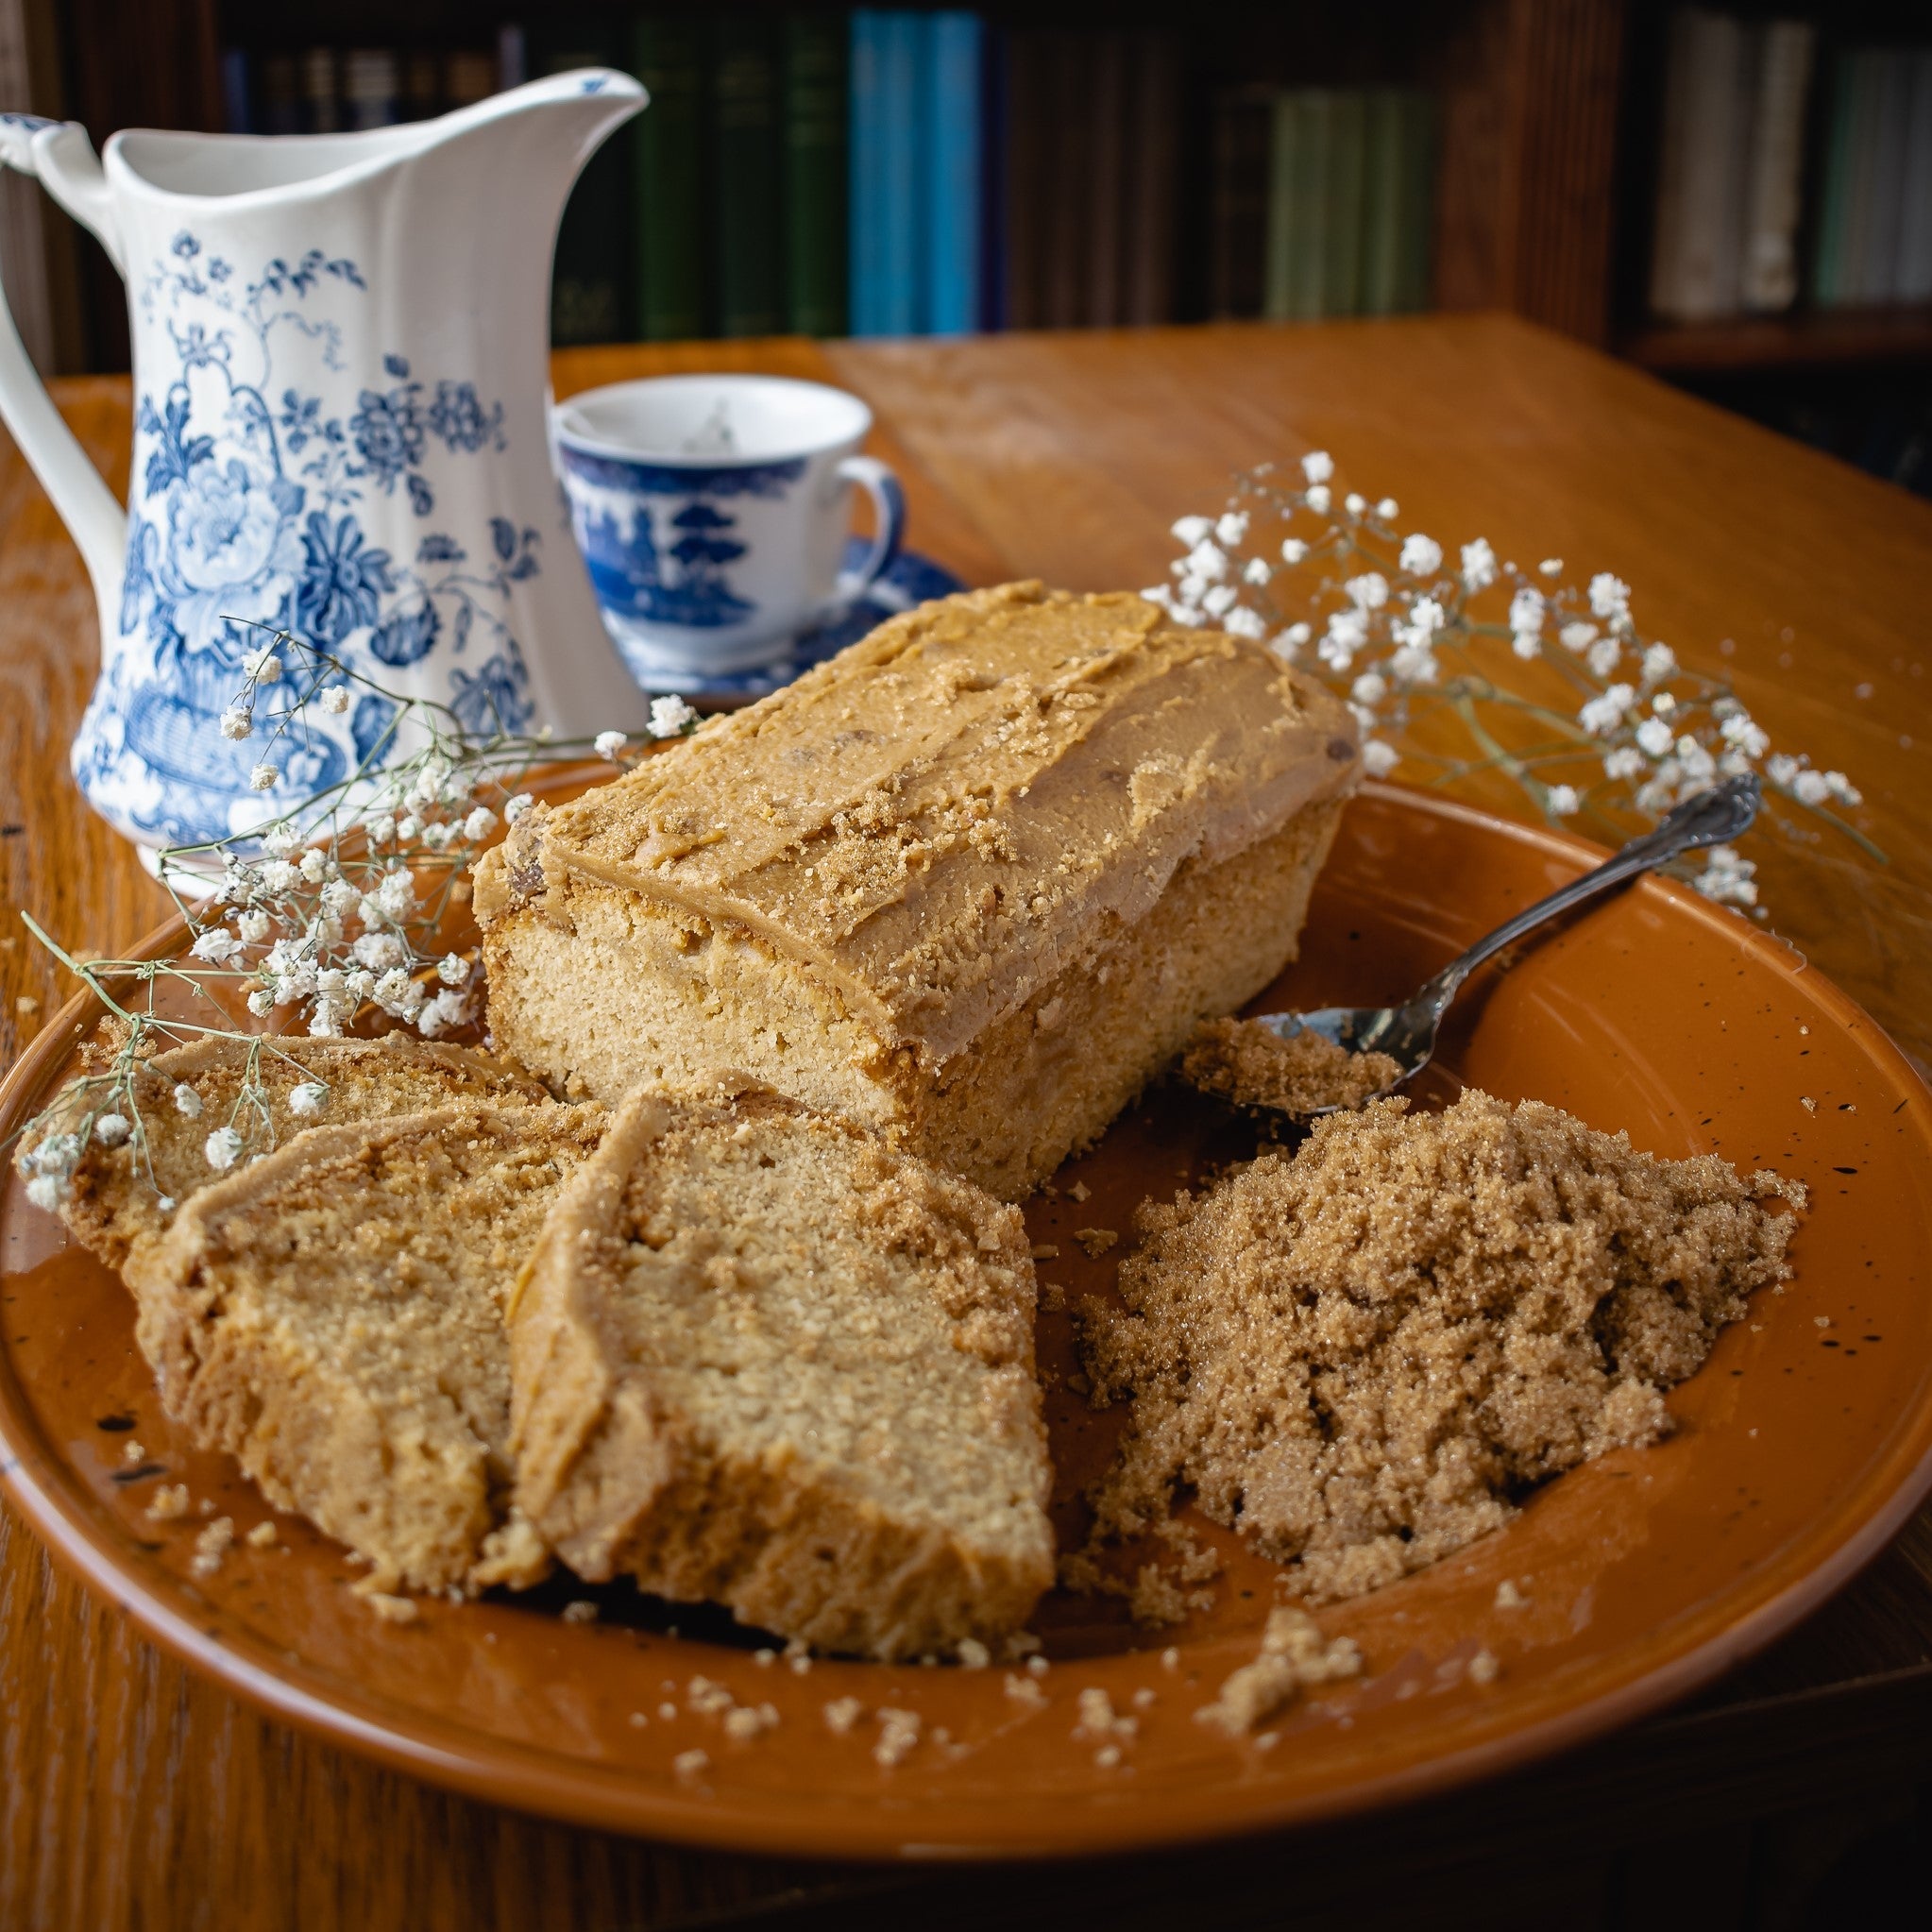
pixel 408 827
pixel 1421 555
pixel 1317 466
pixel 187 1102
pixel 313 865
pixel 1319 499
pixel 324 1019
pixel 1742 733
pixel 1414 665
pixel 339 898
pixel 261 667
pixel 480 823
pixel 111 1129
pixel 216 946
pixel 1551 566
pixel 397 893
pixel 1694 763
pixel 335 699
pixel 453 969
pixel 1479 564
pixel 263 778
pixel 517 808
pixel 236 722
pixel 261 1002
pixel 1232 527
pixel 1355 503
pixel 359 982
pixel 1206 560
pixel 1609 596
pixel 1626 761
pixel 1294 551
pixel 380 951
pixel 1653 737
pixel 253 926
pixel 1243 623
pixel 1843 789
pixel 1378 759
pixel 279 838
pixel 1369 592
pixel 278 876
pixel 1190 530
pixel 438 835
pixel 1371 687
pixel 1526 644
pixel 1526 610
pixel 1602 656
pixel 1602 716
pixel 1256 571
pixel 670 715
pixel 1297 634
pixel 380 827
pixel 1388 509
pixel 608 745
pixel 1220 600
pixel 307 1099
pixel 46 1192
pixel 1563 801
pixel 1810 788
pixel 1577 637
pixel 222 1148
pixel 445 1009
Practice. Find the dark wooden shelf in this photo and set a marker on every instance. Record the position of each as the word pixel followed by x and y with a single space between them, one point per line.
pixel 1809 339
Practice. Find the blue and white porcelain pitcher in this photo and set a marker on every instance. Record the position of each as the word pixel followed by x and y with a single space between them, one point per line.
pixel 341 380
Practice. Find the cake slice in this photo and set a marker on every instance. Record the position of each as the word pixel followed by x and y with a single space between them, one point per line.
pixel 125 1195
pixel 761 1359
pixel 332 1316
pixel 972 882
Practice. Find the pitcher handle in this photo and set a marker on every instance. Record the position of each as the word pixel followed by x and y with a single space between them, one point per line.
pixel 57 154
pixel 888 524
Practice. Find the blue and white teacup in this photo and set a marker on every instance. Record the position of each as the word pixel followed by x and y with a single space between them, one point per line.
pixel 713 510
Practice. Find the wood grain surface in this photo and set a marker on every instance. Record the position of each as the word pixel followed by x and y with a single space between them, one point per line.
pixel 131 1794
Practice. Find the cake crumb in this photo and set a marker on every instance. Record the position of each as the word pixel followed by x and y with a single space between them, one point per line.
pixel 691 1765
pixel 262 1536
pixel 842 1712
pixel 1809 1105
pixel 666 1712
pixel 1362 1356
pixel 1170 1658
pixel 1483 1668
pixel 1079 1191
pixel 748 1721
pixel 391 1608
pixel 1053 1297
pixel 211 1546
pixel 898 1733
pixel 580 1611
pixel 1096 1240
pixel 1025 1690
pixel 973 1654
pixel 1038 1664
pixel 764 1658
pixel 131 1452
pixel 1098 1719
pixel 1508 1597
pixel 1144 1699
pixel 637 1721
pixel 1294 1652
pixel 1046 1251
pixel 1107 1756
pixel 170 1503
pixel 708 1699
pixel 1251 1064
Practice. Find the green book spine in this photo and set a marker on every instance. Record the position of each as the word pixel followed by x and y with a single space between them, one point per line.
pixel 1279 294
pixel 1342 271
pixel 1382 202
pixel 814 194
pixel 745 140
pixel 1828 269
pixel 1308 203
pixel 668 180
pixel 1416 203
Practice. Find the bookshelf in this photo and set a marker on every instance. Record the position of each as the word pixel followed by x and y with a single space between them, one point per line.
pixel 1118 169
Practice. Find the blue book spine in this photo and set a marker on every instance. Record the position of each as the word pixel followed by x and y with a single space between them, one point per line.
pixel 953 175
pixel 886 197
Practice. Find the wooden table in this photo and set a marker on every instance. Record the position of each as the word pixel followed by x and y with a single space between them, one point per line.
pixel 133 1794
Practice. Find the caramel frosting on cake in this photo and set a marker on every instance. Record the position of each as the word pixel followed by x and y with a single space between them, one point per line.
pixel 941 818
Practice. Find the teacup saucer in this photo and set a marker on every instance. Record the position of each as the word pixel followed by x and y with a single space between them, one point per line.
pixel 910 579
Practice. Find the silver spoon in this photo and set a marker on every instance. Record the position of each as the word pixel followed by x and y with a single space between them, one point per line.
pixel 1407 1033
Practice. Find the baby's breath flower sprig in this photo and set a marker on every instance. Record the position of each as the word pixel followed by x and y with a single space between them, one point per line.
pixel 326 914
pixel 1455 666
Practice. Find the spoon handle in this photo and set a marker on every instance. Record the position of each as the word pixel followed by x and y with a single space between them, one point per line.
pixel 1711 818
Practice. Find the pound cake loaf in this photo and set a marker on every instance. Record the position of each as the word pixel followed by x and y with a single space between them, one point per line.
pixel 332 1315
pixel 125 1193
pixel 760 1359
pixel 970 883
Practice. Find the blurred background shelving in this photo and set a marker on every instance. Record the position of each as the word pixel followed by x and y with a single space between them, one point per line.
pixel 1738 197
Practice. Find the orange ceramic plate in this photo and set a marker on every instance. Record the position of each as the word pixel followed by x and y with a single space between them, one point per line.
pixel 1800 1448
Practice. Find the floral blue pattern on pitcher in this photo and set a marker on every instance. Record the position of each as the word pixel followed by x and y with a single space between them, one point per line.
pixel 354 454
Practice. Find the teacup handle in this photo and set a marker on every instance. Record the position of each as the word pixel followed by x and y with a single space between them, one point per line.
pixel 888 514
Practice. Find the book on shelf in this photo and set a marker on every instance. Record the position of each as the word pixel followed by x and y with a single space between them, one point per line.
pixel 745 156
pixel 883 188
pixel 1243 136
pixel 591 276
pixel 1768 271
pixel 1351 175
pixel 1152 174
pixel 813 187
pixel 1873 244
pixel 950 128
pixel 668 178
pixel 1696 259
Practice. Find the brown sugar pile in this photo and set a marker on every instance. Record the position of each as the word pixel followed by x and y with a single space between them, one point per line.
pixel 1252 1065
pixel 1361 1358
